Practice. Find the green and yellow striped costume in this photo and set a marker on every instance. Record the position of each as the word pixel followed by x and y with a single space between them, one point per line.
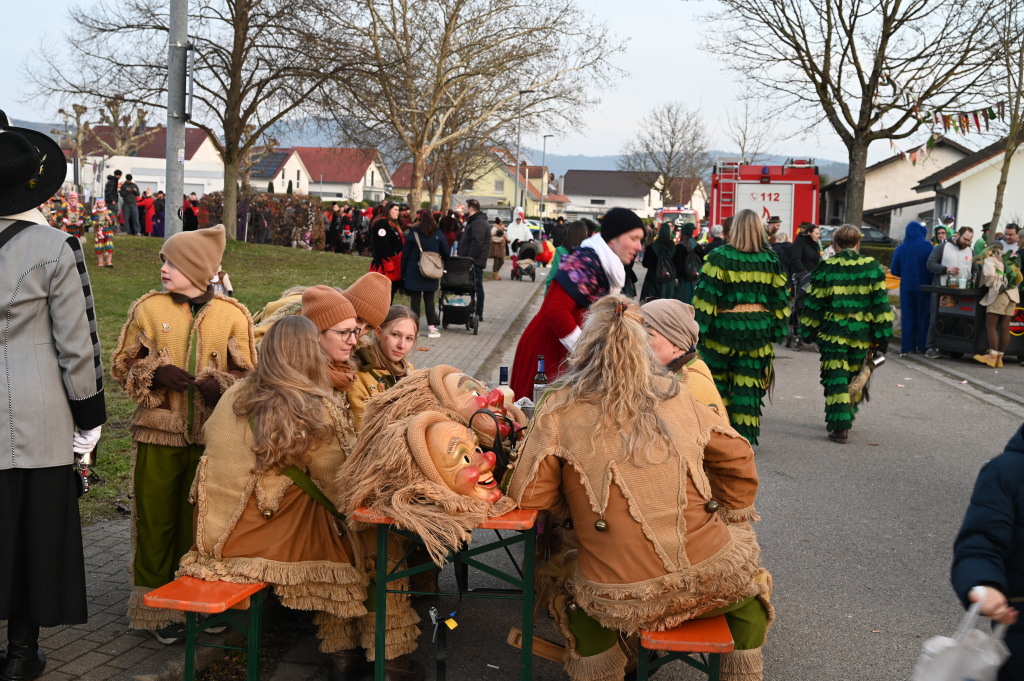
pixel 741 306
pixel 848 308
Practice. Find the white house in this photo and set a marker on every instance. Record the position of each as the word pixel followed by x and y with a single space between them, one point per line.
pixel 204 169
pixel 891 197
pixel 592 192
pixel 280 167
pixel 967 189
pixel 345 174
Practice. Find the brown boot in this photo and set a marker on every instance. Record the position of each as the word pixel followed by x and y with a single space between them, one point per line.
pixel 989 359
pixel 404 668
pixel 349 665
pixel 495 276
pixel 840 436
pixel 999 361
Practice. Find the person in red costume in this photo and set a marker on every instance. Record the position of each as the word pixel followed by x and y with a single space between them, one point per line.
pixel 595 269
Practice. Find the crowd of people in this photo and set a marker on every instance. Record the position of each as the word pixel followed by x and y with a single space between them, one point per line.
pixel 255 437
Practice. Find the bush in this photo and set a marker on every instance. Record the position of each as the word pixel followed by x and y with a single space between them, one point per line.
pixel 882 254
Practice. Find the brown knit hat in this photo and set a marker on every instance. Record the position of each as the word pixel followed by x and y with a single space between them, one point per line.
pixel 325 307
pixel 674 320
pixel 370 294
pixel 196 254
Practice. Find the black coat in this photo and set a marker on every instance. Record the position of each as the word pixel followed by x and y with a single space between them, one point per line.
pixel 989 550
pixel 414 281
pixel 784 250
pixel 387 245
pixel 110 193
pixel 806 254
pixel 475 241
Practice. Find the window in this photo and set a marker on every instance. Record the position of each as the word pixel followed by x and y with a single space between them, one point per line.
pixel 467 186
pixel 596 202
pixel 298 176
pixel 499 186
pixel 373 177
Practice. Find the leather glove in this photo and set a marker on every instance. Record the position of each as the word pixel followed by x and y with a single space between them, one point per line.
pixel 173 378
pixel 210 390
pixel 84 444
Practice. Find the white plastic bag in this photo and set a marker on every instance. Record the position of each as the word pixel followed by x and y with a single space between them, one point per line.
pixel 971 655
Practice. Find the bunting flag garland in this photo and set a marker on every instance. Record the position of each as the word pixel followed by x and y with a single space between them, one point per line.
pixel 960 121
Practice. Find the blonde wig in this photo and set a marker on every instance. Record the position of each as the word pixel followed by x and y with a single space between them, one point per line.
pixel 747 233
pixel 612 367
pixel 286 394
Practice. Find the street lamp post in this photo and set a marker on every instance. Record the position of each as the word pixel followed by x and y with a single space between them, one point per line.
pixel 519 139
pixel 321 187
pixel 544 173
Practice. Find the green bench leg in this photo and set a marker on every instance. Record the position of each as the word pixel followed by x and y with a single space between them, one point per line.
pixel 254 636
pixel 191 630
pixel 529 564
pixel 380 602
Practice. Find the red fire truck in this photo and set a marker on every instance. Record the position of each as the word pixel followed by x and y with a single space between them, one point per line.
pixel 789 191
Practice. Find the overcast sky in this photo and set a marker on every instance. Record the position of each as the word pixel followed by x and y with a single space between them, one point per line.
pixel 662 61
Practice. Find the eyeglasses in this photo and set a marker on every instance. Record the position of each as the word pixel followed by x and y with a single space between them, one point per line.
pixel 345 334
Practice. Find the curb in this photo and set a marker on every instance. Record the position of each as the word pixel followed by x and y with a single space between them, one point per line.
pixel 952 373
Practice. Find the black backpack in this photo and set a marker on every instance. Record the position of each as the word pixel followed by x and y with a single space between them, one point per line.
pixel 665 269
pixel 691 266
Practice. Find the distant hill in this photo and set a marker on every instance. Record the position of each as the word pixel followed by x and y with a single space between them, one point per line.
pixel 44 128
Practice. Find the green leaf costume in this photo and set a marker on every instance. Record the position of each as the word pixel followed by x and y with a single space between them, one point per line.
pixel 848 309
pixel 737 346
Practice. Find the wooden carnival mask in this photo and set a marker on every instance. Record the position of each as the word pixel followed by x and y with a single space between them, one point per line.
pixel 468 395
pixel 460 462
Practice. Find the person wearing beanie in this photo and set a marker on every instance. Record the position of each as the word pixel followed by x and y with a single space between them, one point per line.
pixel 178 352
pixel 335 318
pixel 673 334
pixel 371 296
pixel 103 231
pixel 595 269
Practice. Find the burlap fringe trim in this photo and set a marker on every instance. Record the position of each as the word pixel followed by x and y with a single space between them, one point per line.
pixel 664 602
pixel 743 665
pixel 336 633
pixel 739 515
pixel 400 630
pixel 607 666
pixel 142 616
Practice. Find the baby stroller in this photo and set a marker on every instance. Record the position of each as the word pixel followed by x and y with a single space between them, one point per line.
pixel 524 264
pixel 801 282
pixel 458 294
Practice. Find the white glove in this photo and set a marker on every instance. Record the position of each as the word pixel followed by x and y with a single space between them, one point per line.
pixel 85 442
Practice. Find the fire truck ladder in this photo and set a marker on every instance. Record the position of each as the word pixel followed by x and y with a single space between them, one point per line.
pixel 728 176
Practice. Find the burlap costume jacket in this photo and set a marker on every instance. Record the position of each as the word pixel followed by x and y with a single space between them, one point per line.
pixel 217 342
pixel 665 556
pixel 262 527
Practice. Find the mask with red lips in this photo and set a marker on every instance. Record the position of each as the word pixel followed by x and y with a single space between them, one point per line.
pixel 458 459
pixel 470 395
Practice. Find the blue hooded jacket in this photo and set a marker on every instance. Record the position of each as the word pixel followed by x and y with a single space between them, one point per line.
pixel 910 261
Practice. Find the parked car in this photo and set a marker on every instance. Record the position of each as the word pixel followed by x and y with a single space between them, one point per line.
pixel 869 235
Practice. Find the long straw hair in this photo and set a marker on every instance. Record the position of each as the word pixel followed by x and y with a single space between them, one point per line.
pixel 747 233
pixel 286 395
pixel 612 367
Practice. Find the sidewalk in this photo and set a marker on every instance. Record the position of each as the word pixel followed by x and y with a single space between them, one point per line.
pixel 105 649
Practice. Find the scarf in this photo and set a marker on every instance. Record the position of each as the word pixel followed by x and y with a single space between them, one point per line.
pixel 342 376
pixel 610 263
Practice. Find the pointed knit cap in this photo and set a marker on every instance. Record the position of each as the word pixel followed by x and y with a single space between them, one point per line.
pixel 325 307
pixel 196 254
pixel 370 294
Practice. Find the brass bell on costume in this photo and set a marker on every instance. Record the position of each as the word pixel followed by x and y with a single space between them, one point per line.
pixel 567 524
pixel 268 514
pixel 711 506
pixel 601 525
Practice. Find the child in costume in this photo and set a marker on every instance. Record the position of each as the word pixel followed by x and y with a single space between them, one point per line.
pixel 177 353
pixel 612 440
pixel 847 312
pixel 103 224
pixel 383 362
pixel 741 305
pixel 75 218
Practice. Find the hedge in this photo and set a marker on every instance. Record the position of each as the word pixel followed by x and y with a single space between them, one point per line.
pixel 882 254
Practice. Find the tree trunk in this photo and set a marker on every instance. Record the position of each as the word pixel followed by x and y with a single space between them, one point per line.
pixel 858 158
pixel 416 190
pixel 1004 172
pixel 446 193
pixel 230 197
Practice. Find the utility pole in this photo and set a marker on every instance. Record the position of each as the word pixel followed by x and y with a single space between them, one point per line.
pixel 177 57
pixel 519 140
pixel 544 172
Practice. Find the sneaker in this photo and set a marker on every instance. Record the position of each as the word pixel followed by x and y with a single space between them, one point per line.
pixel 932 353
pixel 170 634
pixel 433 333
pixel 215 629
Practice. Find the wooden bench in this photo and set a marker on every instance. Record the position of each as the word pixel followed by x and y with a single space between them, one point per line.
pixel 709 638
pixel 193 596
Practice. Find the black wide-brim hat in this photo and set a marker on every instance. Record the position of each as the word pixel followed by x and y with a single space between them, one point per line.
pixel 32 168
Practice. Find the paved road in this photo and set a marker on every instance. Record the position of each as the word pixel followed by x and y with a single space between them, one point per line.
pixel 857 536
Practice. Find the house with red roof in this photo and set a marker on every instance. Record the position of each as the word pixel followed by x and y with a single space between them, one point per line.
pixel 102 153
pixel 275 168
pixel 338 174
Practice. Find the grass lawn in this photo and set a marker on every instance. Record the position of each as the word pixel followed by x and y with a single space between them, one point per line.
pixel 258 273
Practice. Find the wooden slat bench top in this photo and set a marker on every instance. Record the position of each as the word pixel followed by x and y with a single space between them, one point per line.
pixel 189 594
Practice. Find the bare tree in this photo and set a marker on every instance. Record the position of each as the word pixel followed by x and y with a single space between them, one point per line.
pixel 671 144
pixel 870 69
pixel 256 62
pixel 1008 63
pixel 751 132
pixel 421 61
